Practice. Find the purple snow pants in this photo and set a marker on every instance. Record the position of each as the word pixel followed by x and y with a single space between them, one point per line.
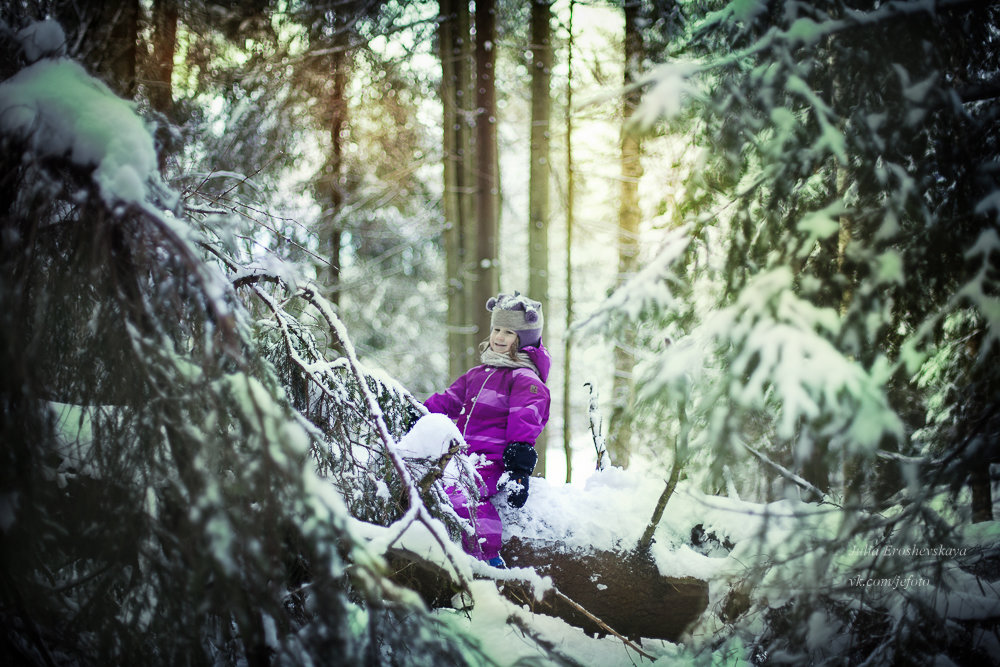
pixel 485 544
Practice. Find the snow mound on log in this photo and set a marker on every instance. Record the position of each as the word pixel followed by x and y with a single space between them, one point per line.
pixel 612 508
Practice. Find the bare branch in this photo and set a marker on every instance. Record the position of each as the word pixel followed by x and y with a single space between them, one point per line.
pixel 434 474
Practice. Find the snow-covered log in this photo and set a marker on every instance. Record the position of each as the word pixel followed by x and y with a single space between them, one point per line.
pixel 601 582
pixel 601 592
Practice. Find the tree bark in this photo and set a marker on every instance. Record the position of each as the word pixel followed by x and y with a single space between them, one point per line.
pixel 335 174
pixel 452 167
pixel 982 494
pixel 619 423
pixel 465 69
pixel 124 40
pixel 455 52
pixel 539 172
pixel 623 589
pixel 570 204
pixel 487 173
pixel 161 93
pixel 164 44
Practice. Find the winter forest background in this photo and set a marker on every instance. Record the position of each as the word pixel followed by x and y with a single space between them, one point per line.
pixel 242 241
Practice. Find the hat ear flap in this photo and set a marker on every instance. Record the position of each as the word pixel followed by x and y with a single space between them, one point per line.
pixel 491 303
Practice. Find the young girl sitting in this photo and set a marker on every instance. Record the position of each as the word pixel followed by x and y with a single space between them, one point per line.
pixel 501 407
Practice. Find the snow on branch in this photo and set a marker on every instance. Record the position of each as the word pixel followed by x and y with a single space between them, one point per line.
pixel 651 289
pixel 778 344
pixel 789 475
pixel 58 109
pixel 416 510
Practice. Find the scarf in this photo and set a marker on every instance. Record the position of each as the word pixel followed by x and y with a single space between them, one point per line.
pixel 491 358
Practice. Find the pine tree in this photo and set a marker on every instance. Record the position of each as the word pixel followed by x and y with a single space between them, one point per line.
pixel 830 274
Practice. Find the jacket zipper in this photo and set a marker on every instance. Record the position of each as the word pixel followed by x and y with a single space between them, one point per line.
pixel 475 402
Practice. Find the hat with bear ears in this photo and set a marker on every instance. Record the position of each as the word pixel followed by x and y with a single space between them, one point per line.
pixel 519 314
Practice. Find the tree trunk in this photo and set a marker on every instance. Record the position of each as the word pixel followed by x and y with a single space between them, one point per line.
pixel 487 174
pixel 454 251
pixel 104 38
pixel 852 465
pixel 619 427
pixel 982 494
pixel 164 44
pixel 539 170
pixel 623 589
pixel 161 96
pixel 459 173
pixel 465 69
pixel 570 203
pixel 335 175
pixel 124 39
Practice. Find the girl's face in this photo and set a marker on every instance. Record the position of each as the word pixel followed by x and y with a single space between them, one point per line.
pixel 501 340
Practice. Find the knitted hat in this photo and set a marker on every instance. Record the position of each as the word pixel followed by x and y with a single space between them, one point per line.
pixel 519 314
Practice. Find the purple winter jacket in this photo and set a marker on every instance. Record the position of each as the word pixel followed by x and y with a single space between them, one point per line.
pixel 497 406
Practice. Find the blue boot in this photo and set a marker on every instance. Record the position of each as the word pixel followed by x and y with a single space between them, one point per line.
pixel 497 562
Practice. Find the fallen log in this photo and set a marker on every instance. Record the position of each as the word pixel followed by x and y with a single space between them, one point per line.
pixel 623 589
pixel 619 593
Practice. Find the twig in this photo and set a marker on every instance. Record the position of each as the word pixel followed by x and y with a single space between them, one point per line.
pixel 233 209
pixel 417 510
pixel 596 426
pixel 222 316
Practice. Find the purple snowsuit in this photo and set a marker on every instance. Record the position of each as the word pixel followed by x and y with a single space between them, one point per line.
pixel 494 407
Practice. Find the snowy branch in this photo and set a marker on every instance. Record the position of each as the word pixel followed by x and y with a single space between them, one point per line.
pixel 791 476
pixel 416 510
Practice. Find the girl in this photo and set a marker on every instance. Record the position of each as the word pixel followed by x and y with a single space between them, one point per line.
pixel 501 407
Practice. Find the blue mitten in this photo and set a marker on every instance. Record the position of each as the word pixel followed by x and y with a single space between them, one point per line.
pixel 519 460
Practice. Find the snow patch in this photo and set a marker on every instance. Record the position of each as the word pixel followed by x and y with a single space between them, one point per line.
pixel 429 439
pixel 610 511
pixel 742 11
pixel 41 39
pixel 61 111
pixel 670 85
pixel 807 32
pixel 820 224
